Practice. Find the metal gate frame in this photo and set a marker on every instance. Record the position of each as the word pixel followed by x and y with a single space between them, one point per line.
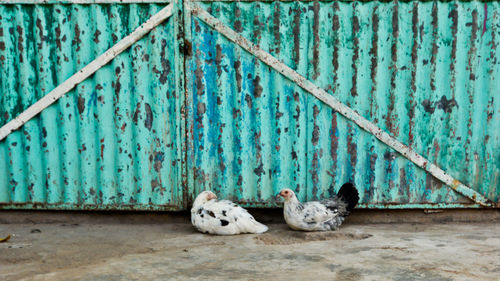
pixel 170 8
pixel 185 10
pixel 192 8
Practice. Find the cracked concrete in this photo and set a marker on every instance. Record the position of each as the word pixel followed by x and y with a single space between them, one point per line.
pixel 118 249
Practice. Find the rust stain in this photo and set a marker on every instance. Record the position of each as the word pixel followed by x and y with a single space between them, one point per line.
pixel 165 64
pixel 436 150
pixel 257 87
pixel 296 34
pixel 335 29
pixel 248 99
pixel 276 27
pixel 201 108
pixel 237 23
pixel 81 104
pixel 157 158
pixel 257 25
pixel 199 75
pixel 77 39
pixel 316 42
pixel 374 55
pixel 148 121
pixel 394 58
pixel 434 44
pixel 96 36
pixel 137 112
pixel 218 59
pixel 444 104
pixel 20 41
pixel 102 148
pixel 485 18
pixel 237 72
pixel 315 132
pixel 351 150
pixel 117 85
pixel 355 56
pixel 413 86
pixel 314 174
pixel 455 184
pixel 334 144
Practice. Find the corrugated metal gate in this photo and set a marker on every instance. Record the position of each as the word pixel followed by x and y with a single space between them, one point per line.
pixel 195 105
pixel 111 143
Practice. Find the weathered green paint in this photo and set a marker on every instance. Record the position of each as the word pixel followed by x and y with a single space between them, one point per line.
pixel 143 134
pixel 423 71
pixel 113 142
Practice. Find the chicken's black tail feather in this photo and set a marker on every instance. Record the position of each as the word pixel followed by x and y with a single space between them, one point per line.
pixel 349 194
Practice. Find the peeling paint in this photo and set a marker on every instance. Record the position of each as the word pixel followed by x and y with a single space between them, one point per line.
pixel 408 62
pixel 250 131
pixel 148 121
pixel 100 159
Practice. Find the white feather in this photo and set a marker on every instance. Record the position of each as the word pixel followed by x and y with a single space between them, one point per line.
pixel 323 215
pixel 222 217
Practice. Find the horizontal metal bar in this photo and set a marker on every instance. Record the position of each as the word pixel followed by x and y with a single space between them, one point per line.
pixel 138 207
pixel 341 108
pixel 88 207
pixel 82 1
pixel 85 72
pixel 391 206
pixel 208 1
pixel 417 206
pixel 277 204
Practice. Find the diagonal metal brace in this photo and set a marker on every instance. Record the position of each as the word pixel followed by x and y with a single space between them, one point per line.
pixel 85 72
pixel 341 108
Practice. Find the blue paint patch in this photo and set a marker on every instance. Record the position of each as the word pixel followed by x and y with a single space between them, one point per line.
pixel 92 101
pixel 159 156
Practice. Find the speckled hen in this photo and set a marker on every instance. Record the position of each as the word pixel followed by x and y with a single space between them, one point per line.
pixel 223 217
pixel 322 215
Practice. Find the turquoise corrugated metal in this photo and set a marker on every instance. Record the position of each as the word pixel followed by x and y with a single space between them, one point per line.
pixel 113 141
pixel 129 137
pixel 427 72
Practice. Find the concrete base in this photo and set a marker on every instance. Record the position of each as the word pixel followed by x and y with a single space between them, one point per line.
pixel 99 246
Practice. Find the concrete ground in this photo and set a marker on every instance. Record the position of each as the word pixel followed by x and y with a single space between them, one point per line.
pixel 72 246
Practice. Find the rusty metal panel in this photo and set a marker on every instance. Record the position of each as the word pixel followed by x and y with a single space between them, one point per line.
pixel 111 143
pixel 427 72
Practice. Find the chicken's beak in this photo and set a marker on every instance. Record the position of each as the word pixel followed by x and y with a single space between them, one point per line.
pixel 278 196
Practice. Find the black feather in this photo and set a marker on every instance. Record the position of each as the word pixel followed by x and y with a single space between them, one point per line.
pixel 349 194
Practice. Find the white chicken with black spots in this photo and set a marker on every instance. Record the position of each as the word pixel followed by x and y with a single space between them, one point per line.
pixel 322 215
pixel 223 217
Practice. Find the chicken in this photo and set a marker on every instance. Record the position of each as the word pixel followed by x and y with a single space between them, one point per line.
pixel 322 215
pixel 224 217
